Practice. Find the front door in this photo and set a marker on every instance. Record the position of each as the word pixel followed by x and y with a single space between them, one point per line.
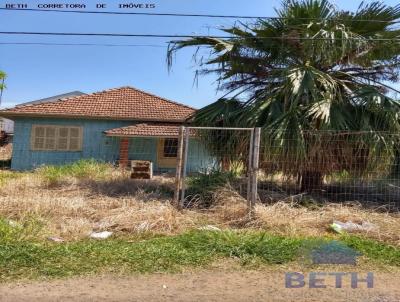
pixel 167 151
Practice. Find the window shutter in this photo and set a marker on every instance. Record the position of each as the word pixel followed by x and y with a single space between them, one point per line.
pixel 74 139
pixel 62 139
pixel 38 135
pixel 50 141
pixel 53 138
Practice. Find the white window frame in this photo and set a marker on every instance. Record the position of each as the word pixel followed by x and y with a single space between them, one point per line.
pixel 56 129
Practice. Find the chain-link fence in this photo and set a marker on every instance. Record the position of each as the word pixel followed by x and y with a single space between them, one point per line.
pixel 330 166
pixel 307 167
pixel 211 158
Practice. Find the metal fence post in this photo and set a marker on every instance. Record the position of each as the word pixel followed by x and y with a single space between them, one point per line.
pixel 250 168
pixel 255 164
pixel 178 172
pixel 185 159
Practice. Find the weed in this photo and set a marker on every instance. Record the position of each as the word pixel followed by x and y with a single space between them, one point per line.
pixel 372 249
pixel 8 175
pixel 204 185
pixel 28 259
pixel 82 169
pixel 13 231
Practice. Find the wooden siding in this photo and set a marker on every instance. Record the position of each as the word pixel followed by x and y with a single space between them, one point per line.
pixel 95 145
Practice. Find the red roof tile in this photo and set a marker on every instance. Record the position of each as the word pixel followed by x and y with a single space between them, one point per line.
pixel 155 130
pixel 119 103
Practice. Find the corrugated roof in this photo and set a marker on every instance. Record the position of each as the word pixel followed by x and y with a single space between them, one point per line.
pixel 118 103
pixel 53 98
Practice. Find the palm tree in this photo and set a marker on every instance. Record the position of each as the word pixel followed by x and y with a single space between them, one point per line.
pixel 2 86
pixel 2 78
pixel 312 78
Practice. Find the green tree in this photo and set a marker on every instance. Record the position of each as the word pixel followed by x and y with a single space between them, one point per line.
pixel 309 78
pixel 2 78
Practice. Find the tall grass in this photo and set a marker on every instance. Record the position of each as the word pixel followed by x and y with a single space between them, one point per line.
pixel 81 169
pixel 203 186
pixel 6 175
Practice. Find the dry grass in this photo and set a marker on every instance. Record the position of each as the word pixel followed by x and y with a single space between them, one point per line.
pixel 288 218
pixel 5 152
pixel 75 207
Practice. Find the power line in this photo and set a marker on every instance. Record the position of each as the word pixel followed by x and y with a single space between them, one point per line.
pixel 82 44
pixel 181 15
pixel 135 13
pixel 181 36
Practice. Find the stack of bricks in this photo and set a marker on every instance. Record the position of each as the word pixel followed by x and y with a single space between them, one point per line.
pixel 141 169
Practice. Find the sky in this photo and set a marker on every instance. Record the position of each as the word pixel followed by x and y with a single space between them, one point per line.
pixel 36 71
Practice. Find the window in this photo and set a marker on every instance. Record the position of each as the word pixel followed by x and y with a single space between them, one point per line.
pixel 56 138
pixel 170 147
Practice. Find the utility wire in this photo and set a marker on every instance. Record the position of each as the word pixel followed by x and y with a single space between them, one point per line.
pixel 82 44
pixel 180 15
pixel 182 36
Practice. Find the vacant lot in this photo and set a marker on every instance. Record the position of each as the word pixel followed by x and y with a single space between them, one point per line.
pixel 151 235
pixel 74 200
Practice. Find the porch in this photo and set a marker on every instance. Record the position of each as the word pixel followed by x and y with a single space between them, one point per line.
pixel 157 143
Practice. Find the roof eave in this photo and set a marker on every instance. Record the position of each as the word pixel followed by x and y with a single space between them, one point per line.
pixel 131 135
pixel 11 115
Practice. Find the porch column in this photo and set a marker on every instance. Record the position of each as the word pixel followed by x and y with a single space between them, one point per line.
pixel 123 152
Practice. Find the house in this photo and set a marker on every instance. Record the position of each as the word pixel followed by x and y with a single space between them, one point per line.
pixel 115 125
pixel 6 126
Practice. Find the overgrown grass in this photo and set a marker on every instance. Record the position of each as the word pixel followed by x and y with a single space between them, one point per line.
pixel 8 175
pixel 204 185
pixel 380 252
pixel 81 169
pixel 23 257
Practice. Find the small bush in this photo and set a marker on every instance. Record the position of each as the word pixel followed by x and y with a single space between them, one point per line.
pixel 17 231
pixel 203 186
pixel 85 168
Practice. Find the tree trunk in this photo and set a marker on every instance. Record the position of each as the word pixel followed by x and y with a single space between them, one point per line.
pixel 311 180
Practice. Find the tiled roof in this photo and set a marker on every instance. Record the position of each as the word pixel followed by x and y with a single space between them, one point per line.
pixel 119 103
pixel 155 130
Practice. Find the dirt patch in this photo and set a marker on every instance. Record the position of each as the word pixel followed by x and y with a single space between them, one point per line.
pixel 200 286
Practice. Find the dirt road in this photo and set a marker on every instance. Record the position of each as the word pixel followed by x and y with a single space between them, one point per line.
pixel 201 286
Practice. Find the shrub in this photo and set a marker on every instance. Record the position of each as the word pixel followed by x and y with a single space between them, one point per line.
pixel 203 186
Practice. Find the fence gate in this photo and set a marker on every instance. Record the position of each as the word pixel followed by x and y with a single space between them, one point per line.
pixel 208 150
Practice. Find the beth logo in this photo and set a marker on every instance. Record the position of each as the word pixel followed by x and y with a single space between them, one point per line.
pixel 334 253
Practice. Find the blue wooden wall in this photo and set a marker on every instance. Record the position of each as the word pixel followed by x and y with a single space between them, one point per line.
pixel 95 145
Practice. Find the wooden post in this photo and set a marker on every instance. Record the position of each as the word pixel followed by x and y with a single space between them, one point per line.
pixel 185 159
pixel 256 157
pixel 178 172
